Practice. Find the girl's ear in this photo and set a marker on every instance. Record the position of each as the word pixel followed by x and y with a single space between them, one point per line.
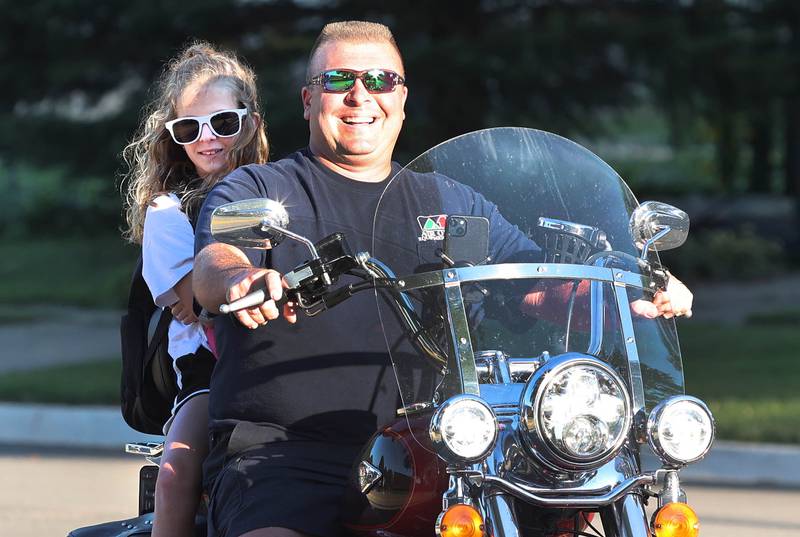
pixel 257 119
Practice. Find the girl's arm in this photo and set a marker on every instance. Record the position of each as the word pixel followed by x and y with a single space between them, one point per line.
pixel 183 309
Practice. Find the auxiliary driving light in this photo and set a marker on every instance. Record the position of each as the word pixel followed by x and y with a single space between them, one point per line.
pixel 460 521
pixel 680 430
pixel 676 520
pixel 464 429
pixel 575 412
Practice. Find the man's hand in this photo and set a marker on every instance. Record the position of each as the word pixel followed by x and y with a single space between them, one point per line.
pixel 252 280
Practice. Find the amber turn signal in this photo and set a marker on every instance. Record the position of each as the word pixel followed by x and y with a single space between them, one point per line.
pixel 676 520
pixel 460 521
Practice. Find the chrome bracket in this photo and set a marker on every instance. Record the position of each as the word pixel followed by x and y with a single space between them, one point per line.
pixel 456 492
pixel 368 476
pixel 671 491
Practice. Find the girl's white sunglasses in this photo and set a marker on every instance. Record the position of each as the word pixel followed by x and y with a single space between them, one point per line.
pixel 225 123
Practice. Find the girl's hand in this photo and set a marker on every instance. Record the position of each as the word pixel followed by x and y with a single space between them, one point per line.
pixel 676 301
pixel 183 313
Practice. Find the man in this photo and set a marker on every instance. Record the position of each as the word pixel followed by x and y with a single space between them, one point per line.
pixel 292 402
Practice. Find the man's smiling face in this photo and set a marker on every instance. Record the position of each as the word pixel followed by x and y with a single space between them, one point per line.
pixel 357 128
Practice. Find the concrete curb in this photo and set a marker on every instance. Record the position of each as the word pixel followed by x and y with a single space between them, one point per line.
pixel 67 426
pixel 91 427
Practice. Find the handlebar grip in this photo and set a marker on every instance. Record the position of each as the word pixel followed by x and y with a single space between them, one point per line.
pixel 253 299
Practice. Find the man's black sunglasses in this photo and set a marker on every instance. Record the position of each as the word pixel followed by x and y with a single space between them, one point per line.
pixel 343 80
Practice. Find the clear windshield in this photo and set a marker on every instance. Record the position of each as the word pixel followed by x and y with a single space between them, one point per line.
pixel 556 268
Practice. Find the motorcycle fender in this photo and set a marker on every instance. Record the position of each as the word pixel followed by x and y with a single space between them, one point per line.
pixel 407 497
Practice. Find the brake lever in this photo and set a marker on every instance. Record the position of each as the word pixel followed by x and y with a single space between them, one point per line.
pixel 297 279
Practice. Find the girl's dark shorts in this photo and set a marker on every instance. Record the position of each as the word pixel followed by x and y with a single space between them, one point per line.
pixel 193 373
pixel 297 485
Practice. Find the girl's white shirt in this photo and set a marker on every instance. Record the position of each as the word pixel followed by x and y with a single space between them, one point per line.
pixel 168 256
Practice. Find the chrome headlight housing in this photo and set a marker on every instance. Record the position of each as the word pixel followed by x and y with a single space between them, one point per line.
pixel 464 429
pixel 680 430
pixel 575 413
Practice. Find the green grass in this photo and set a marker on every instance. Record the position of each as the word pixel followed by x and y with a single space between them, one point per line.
pixel 93 383
pixel 16 317
pixel 90 272
pixel 749 376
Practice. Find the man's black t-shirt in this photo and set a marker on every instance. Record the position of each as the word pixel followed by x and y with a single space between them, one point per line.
pixel 329 378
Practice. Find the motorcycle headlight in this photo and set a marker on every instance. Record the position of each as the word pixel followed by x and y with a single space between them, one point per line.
pixel 680 430
pixel 464 429
pixel 575 412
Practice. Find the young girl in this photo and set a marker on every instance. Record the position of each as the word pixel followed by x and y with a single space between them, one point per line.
pixel 203 123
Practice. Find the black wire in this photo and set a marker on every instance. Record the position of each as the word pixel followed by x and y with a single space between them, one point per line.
pixel 544 531
pixel 589 522
pixel 572 532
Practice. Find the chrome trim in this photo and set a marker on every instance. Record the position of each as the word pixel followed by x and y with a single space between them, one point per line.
pixel 439 443
pixel 420 281
pixel 493 366
pixel 368 476
pixel 294 236
pixel 517 271
pixel 651 241
pixel 634 365
pixel 414 408
pixel 462 360
pixel 496 367
pixel 456 494
pixel 148 449
pixel 586 484
pixel 652 430
pixel 533 437
pixel 671 491
pixel 626 518
pixel 555 499
pixel 504 398
pixel 598 318
pixel 501 520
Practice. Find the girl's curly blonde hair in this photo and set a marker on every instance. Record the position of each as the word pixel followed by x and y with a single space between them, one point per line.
pixel 156 164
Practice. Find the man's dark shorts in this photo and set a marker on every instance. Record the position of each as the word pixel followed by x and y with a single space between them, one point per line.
pixel 292 484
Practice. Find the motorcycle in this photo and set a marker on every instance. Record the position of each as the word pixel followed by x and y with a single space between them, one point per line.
pixel 530 379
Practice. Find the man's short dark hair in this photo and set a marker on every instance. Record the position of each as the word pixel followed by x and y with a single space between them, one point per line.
pixel 354 32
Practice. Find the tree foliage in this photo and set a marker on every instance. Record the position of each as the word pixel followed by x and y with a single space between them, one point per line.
pixel 76 73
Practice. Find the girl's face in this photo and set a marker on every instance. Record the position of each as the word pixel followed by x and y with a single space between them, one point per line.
pixel 209 153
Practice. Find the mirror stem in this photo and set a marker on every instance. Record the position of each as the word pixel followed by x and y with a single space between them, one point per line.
pixel 653 239
pixel 293 236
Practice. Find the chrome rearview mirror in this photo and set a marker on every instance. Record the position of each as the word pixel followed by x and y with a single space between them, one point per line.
pixel 258 223
pixel 658 225
pixel 253 223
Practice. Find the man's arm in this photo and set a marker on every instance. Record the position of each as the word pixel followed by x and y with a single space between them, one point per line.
pixel 223 273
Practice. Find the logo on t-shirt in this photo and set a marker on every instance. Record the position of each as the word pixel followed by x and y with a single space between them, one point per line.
pixel 432 227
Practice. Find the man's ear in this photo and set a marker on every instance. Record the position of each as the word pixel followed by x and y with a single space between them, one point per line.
pixel 305 96
pixel 405 96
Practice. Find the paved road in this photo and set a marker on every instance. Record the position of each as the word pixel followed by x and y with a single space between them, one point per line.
pixel 49 494
pixel 46 493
